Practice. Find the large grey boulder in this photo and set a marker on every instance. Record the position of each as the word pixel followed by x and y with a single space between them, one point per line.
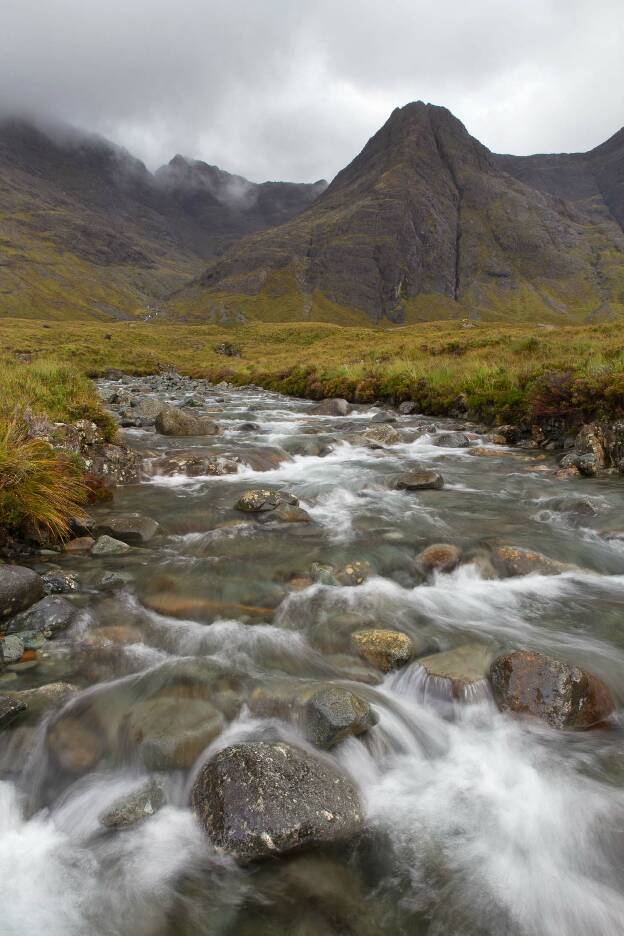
pixel 19 589
pixel 259 799
pixel 173 421
pixel 335 407
pixel 132 528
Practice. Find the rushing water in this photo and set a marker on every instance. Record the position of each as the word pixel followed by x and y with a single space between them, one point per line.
pixel 475 823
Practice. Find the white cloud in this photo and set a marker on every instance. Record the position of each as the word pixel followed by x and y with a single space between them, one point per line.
pixel 290 89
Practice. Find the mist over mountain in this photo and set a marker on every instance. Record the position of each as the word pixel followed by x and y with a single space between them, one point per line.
pixel 424 223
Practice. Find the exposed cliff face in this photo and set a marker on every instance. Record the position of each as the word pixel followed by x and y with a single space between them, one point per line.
pixel 426 216
pixel 86 230
pixel 593 181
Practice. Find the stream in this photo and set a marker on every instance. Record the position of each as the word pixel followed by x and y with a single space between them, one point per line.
pixel 477 823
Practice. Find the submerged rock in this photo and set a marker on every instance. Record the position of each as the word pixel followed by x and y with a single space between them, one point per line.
pixel 385 649
pixel 420 481
pixel 173 421
pixel 75 745
pixel 169 732
pixel 562 695
pixel 458 669
pixel 10 708
pixel 440 557
pixel 259 799
pixel 132 528
pixel 135 807
pixel 333 714
pixel 335 407
pixel 19 589
pixel 511 561
pixel 353 573
pixel 39 700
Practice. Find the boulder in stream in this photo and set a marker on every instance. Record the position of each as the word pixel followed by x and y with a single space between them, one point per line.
pixel 259 799
pixel 452 440
pixel 132 528
pixel 439 557
pixel 170 731
pixel 454 672
pixel 109 546
pixel 173 421
pixel 138 805
pixel 385 649
pixel 380 435
pixel 48 616
pixel 511 561
pixel 333 714
pixel 261 500
pixel 424 480
pixel 560 694
pixel 335 407
pixel 19 589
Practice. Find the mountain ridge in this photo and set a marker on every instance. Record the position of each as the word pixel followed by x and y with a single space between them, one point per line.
pixel 424 223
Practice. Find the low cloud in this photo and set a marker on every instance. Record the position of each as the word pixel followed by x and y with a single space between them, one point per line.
pixel 282 89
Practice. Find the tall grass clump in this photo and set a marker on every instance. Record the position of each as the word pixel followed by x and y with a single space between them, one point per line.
pixel 41 490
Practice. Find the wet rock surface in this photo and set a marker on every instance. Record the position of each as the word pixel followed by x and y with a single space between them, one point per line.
pixel 563 696
pixel 257 800
pixel 347 618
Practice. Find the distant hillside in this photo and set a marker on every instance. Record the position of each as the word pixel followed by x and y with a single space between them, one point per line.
pixel 87 231
pixel 426 223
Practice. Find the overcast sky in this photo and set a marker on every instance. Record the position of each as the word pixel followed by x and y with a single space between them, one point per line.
pixel 292 89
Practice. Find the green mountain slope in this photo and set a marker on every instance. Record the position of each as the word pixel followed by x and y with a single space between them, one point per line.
pixel 426 223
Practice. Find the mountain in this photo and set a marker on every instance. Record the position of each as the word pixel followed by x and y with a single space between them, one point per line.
pixel 427 223
pixel 87 231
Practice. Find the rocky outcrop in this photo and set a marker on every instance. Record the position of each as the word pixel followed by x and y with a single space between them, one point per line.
pixel 564 696
pixel 260 799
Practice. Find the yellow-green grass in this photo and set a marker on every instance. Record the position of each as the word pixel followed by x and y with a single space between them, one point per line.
pixel 42 489
pixel 496 372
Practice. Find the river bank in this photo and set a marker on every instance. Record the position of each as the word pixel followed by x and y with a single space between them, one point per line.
pixel 353 584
